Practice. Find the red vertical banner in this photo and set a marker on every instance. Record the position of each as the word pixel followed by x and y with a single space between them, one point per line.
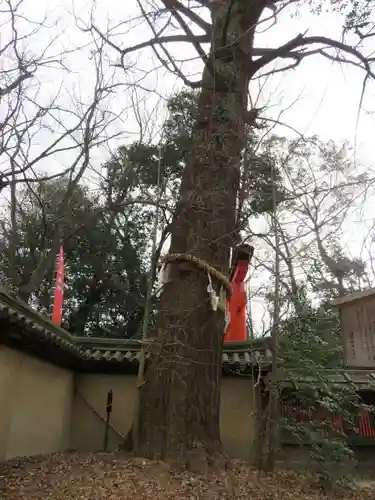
pixel 236 309
pixel 59 290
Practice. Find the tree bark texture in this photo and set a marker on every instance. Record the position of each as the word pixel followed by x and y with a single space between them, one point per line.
pixel 180 397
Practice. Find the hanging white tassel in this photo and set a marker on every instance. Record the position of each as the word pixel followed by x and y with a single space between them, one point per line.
pixel 211 292
pixel 222 300
pixel 226 321
pixel 164 273
pixel 163 278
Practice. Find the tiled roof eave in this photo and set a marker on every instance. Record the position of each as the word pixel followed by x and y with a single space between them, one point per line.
pixel 37 334
pixel 29 327
pixel 96 354
pixel 357 379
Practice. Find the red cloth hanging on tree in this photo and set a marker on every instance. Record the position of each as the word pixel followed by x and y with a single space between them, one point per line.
pixel 236 308
pixel 59 290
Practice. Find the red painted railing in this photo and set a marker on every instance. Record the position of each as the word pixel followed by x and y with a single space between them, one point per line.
pixel 360 432
pixel 295 411
pixel 365 427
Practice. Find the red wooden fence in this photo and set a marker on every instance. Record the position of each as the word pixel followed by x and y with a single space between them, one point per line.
pixel 298 413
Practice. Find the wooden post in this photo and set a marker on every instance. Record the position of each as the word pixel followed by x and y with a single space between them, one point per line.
pixel 108 409
pixel 146 318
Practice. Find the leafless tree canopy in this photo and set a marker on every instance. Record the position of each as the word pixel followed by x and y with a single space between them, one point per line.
pixel 174 22
pixel 47 132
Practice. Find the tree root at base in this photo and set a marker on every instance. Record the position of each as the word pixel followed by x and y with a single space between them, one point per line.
pixel 196 459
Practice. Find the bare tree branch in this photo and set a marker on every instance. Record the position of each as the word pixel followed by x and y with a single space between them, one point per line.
pixel 288 51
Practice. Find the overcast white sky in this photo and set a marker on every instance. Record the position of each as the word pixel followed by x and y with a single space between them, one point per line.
pixel 319 97
pixel 323 96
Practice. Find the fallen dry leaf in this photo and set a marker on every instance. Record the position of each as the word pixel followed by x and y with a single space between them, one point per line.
pixel 115 476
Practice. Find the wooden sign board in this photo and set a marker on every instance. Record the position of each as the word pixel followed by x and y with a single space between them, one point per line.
pixel 357 320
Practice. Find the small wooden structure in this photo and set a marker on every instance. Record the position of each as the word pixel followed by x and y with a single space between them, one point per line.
pixel 357 319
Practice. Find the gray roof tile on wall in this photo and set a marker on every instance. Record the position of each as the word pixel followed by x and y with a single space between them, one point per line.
pixel 31 328
pixel 21 323
pixel 359 379
pixel 118 350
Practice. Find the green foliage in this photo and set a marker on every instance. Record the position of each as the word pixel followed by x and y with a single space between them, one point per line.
pixel 259 167
pixel 136 166
pixel 106 231
pixel 263 175
pixel 104 285
pixel 310 338
pixel 356 12
pixel 310 352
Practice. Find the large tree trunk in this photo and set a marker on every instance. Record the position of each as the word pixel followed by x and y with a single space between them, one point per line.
pixel 180 398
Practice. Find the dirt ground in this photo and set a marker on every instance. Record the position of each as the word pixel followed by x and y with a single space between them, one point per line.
pixel 116 476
